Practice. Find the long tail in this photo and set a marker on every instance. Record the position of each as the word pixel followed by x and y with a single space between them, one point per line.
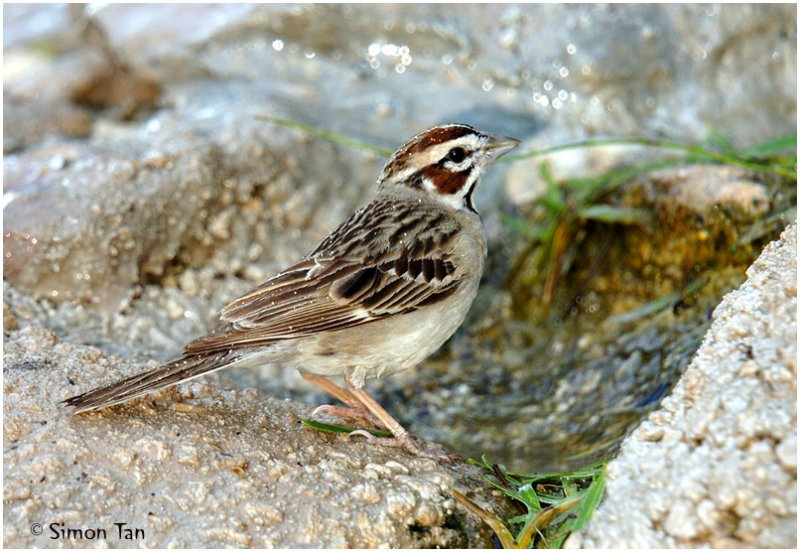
pixel 175 371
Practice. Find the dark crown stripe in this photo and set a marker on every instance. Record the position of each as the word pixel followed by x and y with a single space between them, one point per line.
pixel 438 136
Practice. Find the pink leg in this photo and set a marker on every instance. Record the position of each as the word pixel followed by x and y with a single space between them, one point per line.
pixel 401 437
pixel 356 410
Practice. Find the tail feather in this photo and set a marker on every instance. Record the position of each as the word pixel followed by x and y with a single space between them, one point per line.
pixel 175 371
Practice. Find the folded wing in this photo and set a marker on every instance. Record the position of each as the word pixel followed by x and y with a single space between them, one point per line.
pixel 330 293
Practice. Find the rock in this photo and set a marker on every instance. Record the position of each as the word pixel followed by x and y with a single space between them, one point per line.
pixel 90 75
pixel 547 74
pixel 716 464
pixel 203 465
pixel 167 219
pixel 27 124
pixel 87 222
pixel 702 191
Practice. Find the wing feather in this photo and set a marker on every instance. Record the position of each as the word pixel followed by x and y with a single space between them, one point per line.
pixel 335 288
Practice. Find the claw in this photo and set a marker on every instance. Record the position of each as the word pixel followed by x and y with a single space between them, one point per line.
pixel 321 408
pixel 363 433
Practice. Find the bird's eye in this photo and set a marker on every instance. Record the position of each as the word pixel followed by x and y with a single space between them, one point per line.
pixel 457 155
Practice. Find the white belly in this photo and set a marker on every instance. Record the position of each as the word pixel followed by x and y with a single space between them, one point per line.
pixel 386 346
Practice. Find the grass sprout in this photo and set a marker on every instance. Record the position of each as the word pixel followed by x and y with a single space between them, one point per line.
pixel 772 156
pixel 331 428
pixel 552 506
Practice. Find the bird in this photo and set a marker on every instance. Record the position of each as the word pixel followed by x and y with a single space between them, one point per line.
pixel 378 295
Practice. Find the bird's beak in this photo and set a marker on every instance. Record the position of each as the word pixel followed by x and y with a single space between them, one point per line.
pixel 500 145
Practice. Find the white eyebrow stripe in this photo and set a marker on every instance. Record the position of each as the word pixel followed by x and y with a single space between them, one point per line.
pixel 434 154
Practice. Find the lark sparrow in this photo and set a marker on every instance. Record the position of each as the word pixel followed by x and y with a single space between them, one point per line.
pixel 378 295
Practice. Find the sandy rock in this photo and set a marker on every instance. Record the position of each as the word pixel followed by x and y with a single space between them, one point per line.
pixel 716 464
pixel 26 124
pixel 166 221
pixel 202 465
pixel 86 221
pixel 732 190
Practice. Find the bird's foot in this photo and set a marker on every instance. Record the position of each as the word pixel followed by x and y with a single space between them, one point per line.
pixel 410 445
pixel 356 413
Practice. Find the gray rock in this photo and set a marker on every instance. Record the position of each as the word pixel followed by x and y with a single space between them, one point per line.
pixel 88 221
pixel 202 465
pixel 548 74
pixel 165 221
pixel 716 464
pixel 28 124
pixel 702 191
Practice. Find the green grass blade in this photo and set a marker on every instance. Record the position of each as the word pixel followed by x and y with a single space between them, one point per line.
pixel 722 143
pixel 656 305
pixel 697 152
pixel 785 168
pixel 529 497
pixel 590 501
pixel 770 148
pixel 557 504
pixel 612 214
pixel 350 142
pixel 329 428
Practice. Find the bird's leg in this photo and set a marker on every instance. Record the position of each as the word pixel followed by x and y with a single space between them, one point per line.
pixel 355 411
pixel 401 437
